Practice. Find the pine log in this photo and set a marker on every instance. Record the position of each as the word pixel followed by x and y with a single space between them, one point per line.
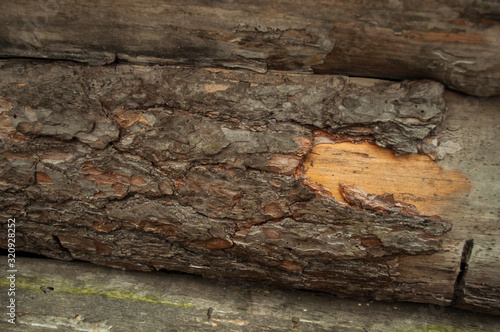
pixel 211 171
pixel 455 42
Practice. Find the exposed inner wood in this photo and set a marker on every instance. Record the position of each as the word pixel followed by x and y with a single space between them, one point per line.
pixel 413 179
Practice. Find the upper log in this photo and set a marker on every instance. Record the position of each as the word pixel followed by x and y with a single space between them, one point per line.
pixel 455 42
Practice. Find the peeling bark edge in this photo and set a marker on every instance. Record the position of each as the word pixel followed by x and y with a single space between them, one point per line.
pixel 380 203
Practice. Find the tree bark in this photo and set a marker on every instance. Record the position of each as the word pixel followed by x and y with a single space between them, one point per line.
pixel 455 42
pixel 207 171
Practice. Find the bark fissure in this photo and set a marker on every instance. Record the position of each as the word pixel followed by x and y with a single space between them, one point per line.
pixel 62 248
pixel 459 288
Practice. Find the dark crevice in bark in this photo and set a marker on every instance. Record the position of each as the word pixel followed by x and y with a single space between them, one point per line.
pixel 19 253
pixel 61 247
pixel 44 60
pixel 458 292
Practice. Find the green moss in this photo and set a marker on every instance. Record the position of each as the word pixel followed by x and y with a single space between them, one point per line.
pixel 41 285
pixel 24 283
pixel 131 296
pixel 439 328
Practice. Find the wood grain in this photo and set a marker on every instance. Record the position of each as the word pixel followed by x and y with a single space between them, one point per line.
pixel 413 179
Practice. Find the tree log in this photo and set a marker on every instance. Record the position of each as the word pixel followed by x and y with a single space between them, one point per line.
pixel 208 171
pixel 455 42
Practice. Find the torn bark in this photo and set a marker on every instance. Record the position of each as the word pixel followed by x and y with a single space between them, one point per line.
pixel 454 42
pixel 385 203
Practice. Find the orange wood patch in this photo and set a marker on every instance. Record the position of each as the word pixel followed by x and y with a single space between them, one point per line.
pixel 413 179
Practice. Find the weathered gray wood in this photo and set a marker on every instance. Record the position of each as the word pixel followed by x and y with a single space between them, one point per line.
pixel 455 42
pixel 79 296
pixel 471 124
pixel 199 170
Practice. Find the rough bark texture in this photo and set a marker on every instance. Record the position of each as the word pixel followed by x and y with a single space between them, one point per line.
pixel 455 42
pixel 199 170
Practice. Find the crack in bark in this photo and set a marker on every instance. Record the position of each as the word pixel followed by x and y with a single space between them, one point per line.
pixel 459 287
pixel 61 246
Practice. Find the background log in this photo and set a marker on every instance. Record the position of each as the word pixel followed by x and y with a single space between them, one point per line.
pixel 206 171
pixel 71 296
pixel 455 42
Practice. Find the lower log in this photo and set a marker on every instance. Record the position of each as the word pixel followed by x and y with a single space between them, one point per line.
pixel 62 295
pixel 209 172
